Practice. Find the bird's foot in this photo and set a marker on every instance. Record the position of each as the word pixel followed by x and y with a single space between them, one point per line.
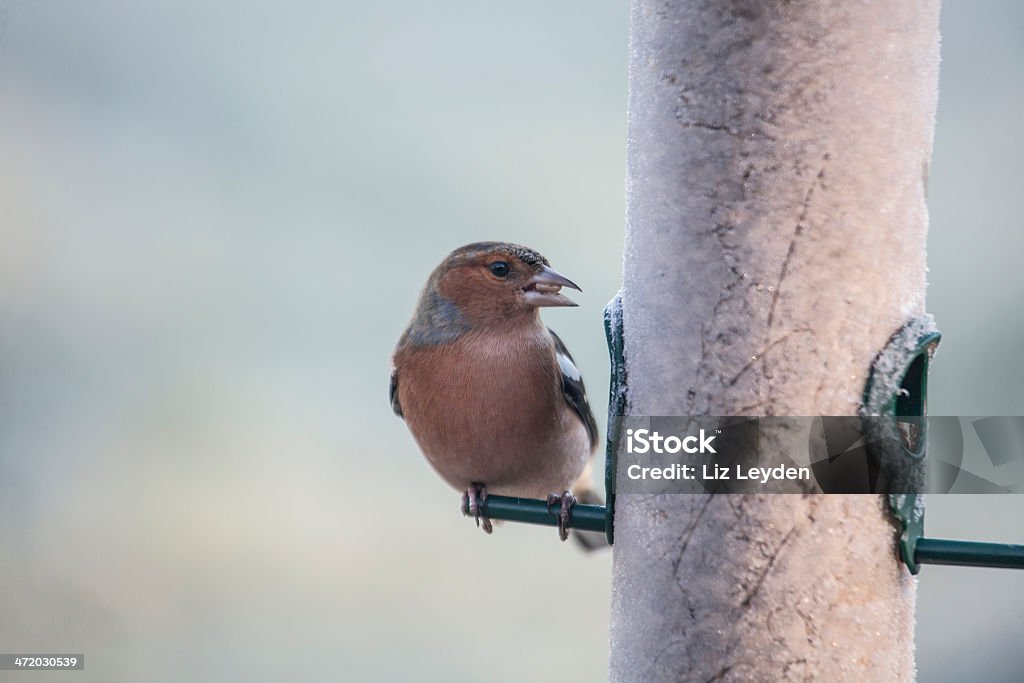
pixel 564 503
pixel 472 501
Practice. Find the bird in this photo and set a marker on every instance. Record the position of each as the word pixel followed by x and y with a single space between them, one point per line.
pixel 491 395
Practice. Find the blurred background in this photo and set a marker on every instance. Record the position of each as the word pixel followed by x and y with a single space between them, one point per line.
pixel 214 225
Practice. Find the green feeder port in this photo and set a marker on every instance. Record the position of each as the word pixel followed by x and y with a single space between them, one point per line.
pixel 898 387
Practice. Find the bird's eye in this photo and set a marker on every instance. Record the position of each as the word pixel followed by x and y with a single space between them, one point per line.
pixel 499 268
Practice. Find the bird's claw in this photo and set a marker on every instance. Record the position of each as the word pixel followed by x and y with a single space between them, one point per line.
pixel 565 503
pixel 472 502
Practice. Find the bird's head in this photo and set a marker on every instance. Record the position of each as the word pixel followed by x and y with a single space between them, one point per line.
pixel 490 281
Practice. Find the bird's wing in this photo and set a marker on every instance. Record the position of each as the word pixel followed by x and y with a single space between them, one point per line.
pixel 393 393
pixel 572 388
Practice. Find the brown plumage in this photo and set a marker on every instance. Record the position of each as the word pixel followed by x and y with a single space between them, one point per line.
pixel 490 394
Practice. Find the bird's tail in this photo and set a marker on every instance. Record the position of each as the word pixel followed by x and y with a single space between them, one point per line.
pixel 584 491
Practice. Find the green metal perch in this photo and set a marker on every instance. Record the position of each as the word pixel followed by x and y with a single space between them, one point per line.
pixel 531 511
pixel 968 553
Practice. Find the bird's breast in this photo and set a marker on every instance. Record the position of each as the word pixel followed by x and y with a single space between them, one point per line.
pixel 490 409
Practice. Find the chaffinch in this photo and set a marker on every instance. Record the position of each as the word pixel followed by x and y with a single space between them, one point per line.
pixel 490 394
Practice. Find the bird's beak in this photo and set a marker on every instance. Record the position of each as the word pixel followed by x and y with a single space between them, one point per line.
pixel 543 289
